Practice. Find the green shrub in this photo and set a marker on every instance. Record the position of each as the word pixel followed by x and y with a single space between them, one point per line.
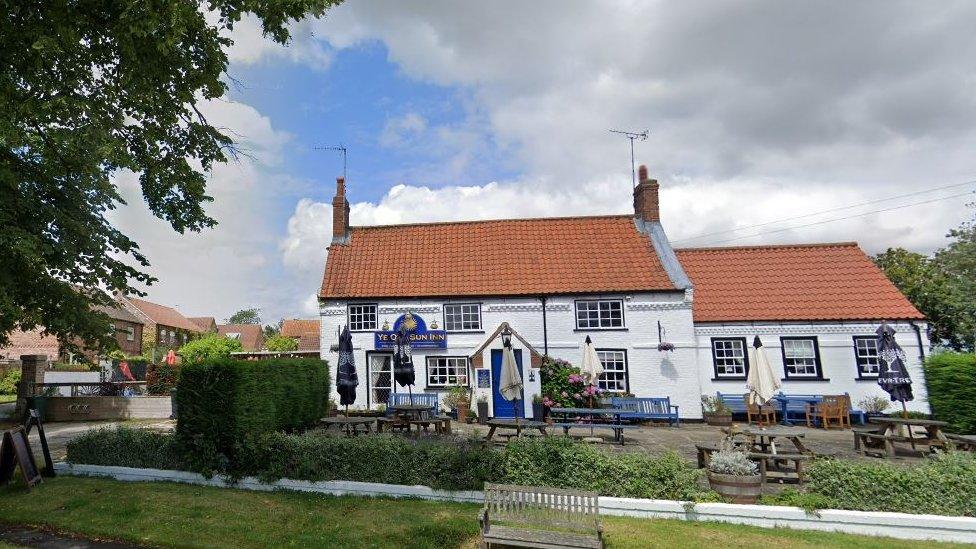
pixel 126 447
pixel 160 378
pixel 563 463
pixel 449 465
pixel 226 406
pixel 280 343
pixel 942 486
pixel 951 382
pixel 9 381
pixel 209 347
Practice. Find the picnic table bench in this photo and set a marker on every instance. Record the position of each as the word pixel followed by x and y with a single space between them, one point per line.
pixel 647 408
pixel 517 426
pixel 610 418
pixel 768 462
pixel 962 442
pixel 879 439
pixel 532 516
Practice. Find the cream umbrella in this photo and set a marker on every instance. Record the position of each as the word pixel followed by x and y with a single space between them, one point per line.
pixel 510 385
pixel 762 382
pixel 591 368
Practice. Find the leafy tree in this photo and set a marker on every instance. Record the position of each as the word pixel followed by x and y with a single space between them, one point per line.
pixel 271 330
pixel 209 347
pixel 245 316
pixel 957 265
pixel 280 343
pixel 89 89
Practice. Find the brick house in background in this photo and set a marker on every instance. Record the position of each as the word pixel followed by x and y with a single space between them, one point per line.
pixel 169 328
pixel 305 332
pixel 31 342
pixel 127 329
pixel 251 336
pixel 206 323
pixel 125 326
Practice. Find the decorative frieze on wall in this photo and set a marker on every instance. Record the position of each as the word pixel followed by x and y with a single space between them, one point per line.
pixel 654 306
pixel 517 308
pixel 799 329
pixel 401 309
pixel 333 311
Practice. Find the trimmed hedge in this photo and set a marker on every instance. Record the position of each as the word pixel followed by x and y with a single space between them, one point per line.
pixel 127 447
pixel 945 485
pixel 563 463
pixel 226 406
pixel 951 382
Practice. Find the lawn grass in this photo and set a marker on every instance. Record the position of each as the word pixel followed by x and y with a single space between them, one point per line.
pixel 178 515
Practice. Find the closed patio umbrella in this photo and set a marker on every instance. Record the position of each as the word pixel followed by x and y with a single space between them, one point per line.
pixel 591 368
pixel 403 372
pixel 892 374
pixel 510 385
pixel 762 382
pixel 346 378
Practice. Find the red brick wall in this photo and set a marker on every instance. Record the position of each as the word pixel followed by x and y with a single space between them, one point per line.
pixel 31 343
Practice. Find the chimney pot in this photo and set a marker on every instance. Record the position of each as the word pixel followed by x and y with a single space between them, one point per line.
pixel 646 202
pixel 642 173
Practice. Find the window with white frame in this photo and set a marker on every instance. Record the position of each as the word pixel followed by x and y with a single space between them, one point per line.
pixel 614 376
pixel 801 357
pixel 172 336
pixel 599 314
pixel 462 317
pixel 729 357
pixel 130 333
pixel 866 353
pixel 362 317
pixel 447 371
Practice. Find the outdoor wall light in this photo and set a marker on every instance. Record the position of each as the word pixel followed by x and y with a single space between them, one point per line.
pixel 507 336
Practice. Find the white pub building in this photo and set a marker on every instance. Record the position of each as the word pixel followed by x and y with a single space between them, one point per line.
pixel 617 279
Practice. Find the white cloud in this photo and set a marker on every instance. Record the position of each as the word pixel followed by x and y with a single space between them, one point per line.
pixel 252 47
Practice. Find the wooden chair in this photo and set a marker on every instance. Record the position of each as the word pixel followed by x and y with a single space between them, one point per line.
pixel 529 516
pixel 832 408
pixel 766 413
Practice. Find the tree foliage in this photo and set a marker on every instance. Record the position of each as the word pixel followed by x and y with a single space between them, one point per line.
pixel 209 347
pixel 941 286
pixel 245 316
pixel 280 343
pixel 89 89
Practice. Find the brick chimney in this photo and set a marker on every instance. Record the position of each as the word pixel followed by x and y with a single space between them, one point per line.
pixel 646 205
pixel 340 214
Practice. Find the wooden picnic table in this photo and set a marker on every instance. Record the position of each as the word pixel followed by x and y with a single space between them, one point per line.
pixel 413 412
pixel 963 442
pixel 518 427
pixel 767 436
pixel 606 418
pixel 934 437
pixel 351 424
pixel 784 404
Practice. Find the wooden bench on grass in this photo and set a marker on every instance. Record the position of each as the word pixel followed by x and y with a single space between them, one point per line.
pixel 645 408
pixel 529 516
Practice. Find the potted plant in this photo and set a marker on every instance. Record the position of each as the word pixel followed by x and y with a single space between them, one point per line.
pixel 538 408
pixel 483 409
pixel 715 411
pixel 733 475
pixel 874 406
pixel 665 346
pixel 457 398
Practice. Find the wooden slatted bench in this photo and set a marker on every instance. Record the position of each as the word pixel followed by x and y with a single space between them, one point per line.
pixel 648 408
pixel 618 428
pixel 529 516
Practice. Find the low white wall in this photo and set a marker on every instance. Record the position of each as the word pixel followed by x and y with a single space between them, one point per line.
pixel 54 376
pixel 895 525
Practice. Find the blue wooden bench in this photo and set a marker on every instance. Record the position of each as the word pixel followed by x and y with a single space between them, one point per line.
pixel 419 399
pixel 734 402
pixel 648 408
pixel 796 406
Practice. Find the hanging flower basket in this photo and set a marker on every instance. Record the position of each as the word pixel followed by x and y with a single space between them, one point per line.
pixel 665 346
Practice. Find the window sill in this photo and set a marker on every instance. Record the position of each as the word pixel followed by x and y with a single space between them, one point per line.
pixel 602 330
pixel 805 379
pixel 867 378
pixel 743 378
pixel 462 332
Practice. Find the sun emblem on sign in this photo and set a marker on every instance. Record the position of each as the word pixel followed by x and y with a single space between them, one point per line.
pixel 409 322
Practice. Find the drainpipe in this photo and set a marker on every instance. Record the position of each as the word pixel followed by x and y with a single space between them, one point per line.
pixel 918 337
pixel 545 330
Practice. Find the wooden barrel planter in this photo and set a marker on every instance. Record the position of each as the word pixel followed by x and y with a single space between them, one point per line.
pixel 718 420
pixel 740 489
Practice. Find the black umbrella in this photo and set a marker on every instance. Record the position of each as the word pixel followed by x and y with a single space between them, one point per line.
pixel 346 378
pixel 403 372
pixel 893 375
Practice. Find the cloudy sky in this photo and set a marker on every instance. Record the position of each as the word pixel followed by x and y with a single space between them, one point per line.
pixel 769 122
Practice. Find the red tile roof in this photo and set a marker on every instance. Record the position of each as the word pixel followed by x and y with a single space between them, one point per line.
pixel 251 336
pixel 793 282
pixel 501 257
pixel 161 314
pixel 296 327
pixel 206 323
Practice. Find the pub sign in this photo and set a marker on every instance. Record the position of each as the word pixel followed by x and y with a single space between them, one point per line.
pixel 420 336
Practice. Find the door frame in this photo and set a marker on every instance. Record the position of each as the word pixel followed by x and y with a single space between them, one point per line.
pixel 520 363
pixel 369 376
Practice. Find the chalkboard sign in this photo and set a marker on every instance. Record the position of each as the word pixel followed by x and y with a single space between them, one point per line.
pixel 484 378
pixel 14 451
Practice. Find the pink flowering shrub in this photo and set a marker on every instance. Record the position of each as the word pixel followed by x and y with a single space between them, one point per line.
pixel 563 386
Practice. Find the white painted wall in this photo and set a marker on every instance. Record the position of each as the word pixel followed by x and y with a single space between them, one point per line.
pixel 837 357
pixel 651 373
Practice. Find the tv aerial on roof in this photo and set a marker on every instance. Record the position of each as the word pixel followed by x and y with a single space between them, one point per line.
pixel 338 148
pixel 632 136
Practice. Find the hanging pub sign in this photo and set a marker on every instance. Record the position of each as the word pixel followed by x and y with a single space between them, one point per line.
pixel 420 336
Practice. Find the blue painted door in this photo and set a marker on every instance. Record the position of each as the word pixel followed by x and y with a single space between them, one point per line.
pixel 504 408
